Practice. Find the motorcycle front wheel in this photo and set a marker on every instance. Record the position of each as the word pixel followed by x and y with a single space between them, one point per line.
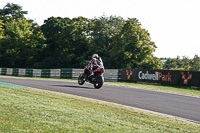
pixel 99 84
pixel 80 79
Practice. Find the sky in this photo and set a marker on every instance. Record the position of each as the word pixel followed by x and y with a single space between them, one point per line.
pixel 174 25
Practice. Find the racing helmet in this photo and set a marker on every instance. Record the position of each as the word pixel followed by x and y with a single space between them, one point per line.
pixel 95 56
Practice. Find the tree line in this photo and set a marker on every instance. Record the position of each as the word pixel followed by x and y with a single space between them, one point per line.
pixel 69 43
pixel 183 64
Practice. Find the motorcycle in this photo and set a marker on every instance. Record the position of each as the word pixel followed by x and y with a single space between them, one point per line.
pixel 96 79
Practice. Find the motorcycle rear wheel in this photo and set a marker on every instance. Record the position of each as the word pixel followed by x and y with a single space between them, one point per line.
pixel 100 82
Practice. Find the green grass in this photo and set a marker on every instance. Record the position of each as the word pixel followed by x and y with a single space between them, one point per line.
pixel 183 90
pixel 31 110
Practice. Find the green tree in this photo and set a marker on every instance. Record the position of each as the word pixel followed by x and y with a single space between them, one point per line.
pixel 64 42
pixel 103 31
pixel 174 64
pixel 67 42
pixel 19 47
pixel 178 64
pixel 196 63
pixel 80 40
pixel 169 64
pixel 37 45
pixel 12 11
pixel 1 29
pixel 53 31
pixel 132 45
pixel 186 63
pixel 151 62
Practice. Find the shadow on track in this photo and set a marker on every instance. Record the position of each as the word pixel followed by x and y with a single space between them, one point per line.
pixel 73 86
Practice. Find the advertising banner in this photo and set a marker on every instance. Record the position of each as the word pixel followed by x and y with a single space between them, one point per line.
pixel 190 78
pixel 161 76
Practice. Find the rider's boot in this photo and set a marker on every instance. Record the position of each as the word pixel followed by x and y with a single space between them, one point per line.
pixel 89 76
pixel 92 73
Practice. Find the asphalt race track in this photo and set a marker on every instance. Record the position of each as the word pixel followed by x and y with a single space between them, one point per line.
pixel 185 107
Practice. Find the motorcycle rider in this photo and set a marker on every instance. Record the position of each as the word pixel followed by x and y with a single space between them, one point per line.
pixel 95 63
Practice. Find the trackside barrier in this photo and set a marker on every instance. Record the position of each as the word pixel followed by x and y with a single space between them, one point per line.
pixel 55 73
pixel 37 73
pixel 76 73
pixel 4 71
pixel 45 73
pixel 9 71
pixel 29 73
pixel 66 73
pixel 171 77
pixel 112 75
pixel 15 72
pixel 21 72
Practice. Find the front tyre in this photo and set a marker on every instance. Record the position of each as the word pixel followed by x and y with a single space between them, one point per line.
pixel 80 79
pixel 99 84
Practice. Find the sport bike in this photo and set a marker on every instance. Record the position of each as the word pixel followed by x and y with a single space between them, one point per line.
pixel 96 79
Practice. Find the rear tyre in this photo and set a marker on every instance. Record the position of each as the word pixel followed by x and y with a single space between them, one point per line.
pixel 80 79
pixel 99 83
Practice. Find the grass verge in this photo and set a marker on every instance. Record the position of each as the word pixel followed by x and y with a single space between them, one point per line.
pixel 30 110
pixel 183 90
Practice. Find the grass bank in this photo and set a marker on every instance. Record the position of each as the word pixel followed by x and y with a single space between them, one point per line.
pixel 30 110
pixel 183 90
